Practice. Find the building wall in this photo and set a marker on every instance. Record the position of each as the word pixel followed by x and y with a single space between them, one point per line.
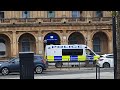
pixel 88 30
pixel 38 14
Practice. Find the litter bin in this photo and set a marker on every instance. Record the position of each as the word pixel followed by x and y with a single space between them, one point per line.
pixel 26 65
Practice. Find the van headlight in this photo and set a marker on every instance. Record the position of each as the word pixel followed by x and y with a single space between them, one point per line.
pixel 0 64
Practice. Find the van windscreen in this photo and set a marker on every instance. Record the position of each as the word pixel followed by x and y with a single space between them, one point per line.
pixel 72 51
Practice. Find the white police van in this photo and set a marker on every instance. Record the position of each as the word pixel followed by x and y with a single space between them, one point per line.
pixel 60 54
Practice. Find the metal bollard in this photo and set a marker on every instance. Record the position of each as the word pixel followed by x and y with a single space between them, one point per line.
pixel 79 65
pixel 68 64
pixel 97 71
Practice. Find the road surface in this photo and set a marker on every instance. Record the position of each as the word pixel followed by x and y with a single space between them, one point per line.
pixel 68 73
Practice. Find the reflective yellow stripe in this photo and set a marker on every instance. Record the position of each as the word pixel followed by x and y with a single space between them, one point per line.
pixel 81 58
pixel 66 58
pixel 96 57
pixel 50 58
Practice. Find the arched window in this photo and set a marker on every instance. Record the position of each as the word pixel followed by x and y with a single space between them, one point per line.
pixel 96 44
pixel 25 14
pixel 76 38
pixel 2 47
pixel 1 14
pixel 25 45
pixel 75 14
pixel 99 13
pixel 51 14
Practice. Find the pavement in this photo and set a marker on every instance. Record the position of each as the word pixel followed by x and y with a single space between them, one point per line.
pixel 69 73
pixel 103 75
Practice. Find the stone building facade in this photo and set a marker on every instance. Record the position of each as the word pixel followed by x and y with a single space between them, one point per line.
pixel 23 31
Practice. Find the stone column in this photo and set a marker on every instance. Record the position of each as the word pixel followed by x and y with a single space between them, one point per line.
pixel 88 40
pixel 64 38
pixel 10 53
pixel 17 51
pixel 110 48
pixel 17 44
pixel 64 14
pixel 14 44
pixel 37 46
pixel 40 43
pixel 89 15
pixel 90 43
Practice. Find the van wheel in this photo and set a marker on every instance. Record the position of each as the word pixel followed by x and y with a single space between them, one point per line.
pixel 5 71
pixel 72 65
pixel 38 69
pixel 58 64
pixel 106 65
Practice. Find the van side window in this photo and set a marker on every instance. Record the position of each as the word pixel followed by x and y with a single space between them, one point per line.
pixel 89 52
pixel 109 56
pixel 72 51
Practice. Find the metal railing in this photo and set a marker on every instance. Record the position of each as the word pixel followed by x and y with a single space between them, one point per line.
pixel 55 20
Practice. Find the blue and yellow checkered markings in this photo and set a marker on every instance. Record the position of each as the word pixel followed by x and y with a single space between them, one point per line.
pixel 58 58
pixel 67 58
pixel 50 58
pixel 90 57
pixel 73 58
pixel 81 58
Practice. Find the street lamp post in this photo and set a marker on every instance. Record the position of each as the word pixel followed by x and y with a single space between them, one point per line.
pixel 118 45
pixel 114 43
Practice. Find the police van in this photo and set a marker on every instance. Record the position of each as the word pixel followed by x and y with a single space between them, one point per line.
pixel 59 54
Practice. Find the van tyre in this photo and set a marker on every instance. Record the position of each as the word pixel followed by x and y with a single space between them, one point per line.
pixel 106 65
pixel 72 65
pixel 39 69
pixel 5 71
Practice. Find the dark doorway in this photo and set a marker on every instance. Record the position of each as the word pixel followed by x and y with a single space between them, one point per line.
pixel 76 38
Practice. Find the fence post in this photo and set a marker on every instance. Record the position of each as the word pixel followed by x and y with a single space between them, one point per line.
pixel 79 65
pixel 68 64
pixel 97 71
